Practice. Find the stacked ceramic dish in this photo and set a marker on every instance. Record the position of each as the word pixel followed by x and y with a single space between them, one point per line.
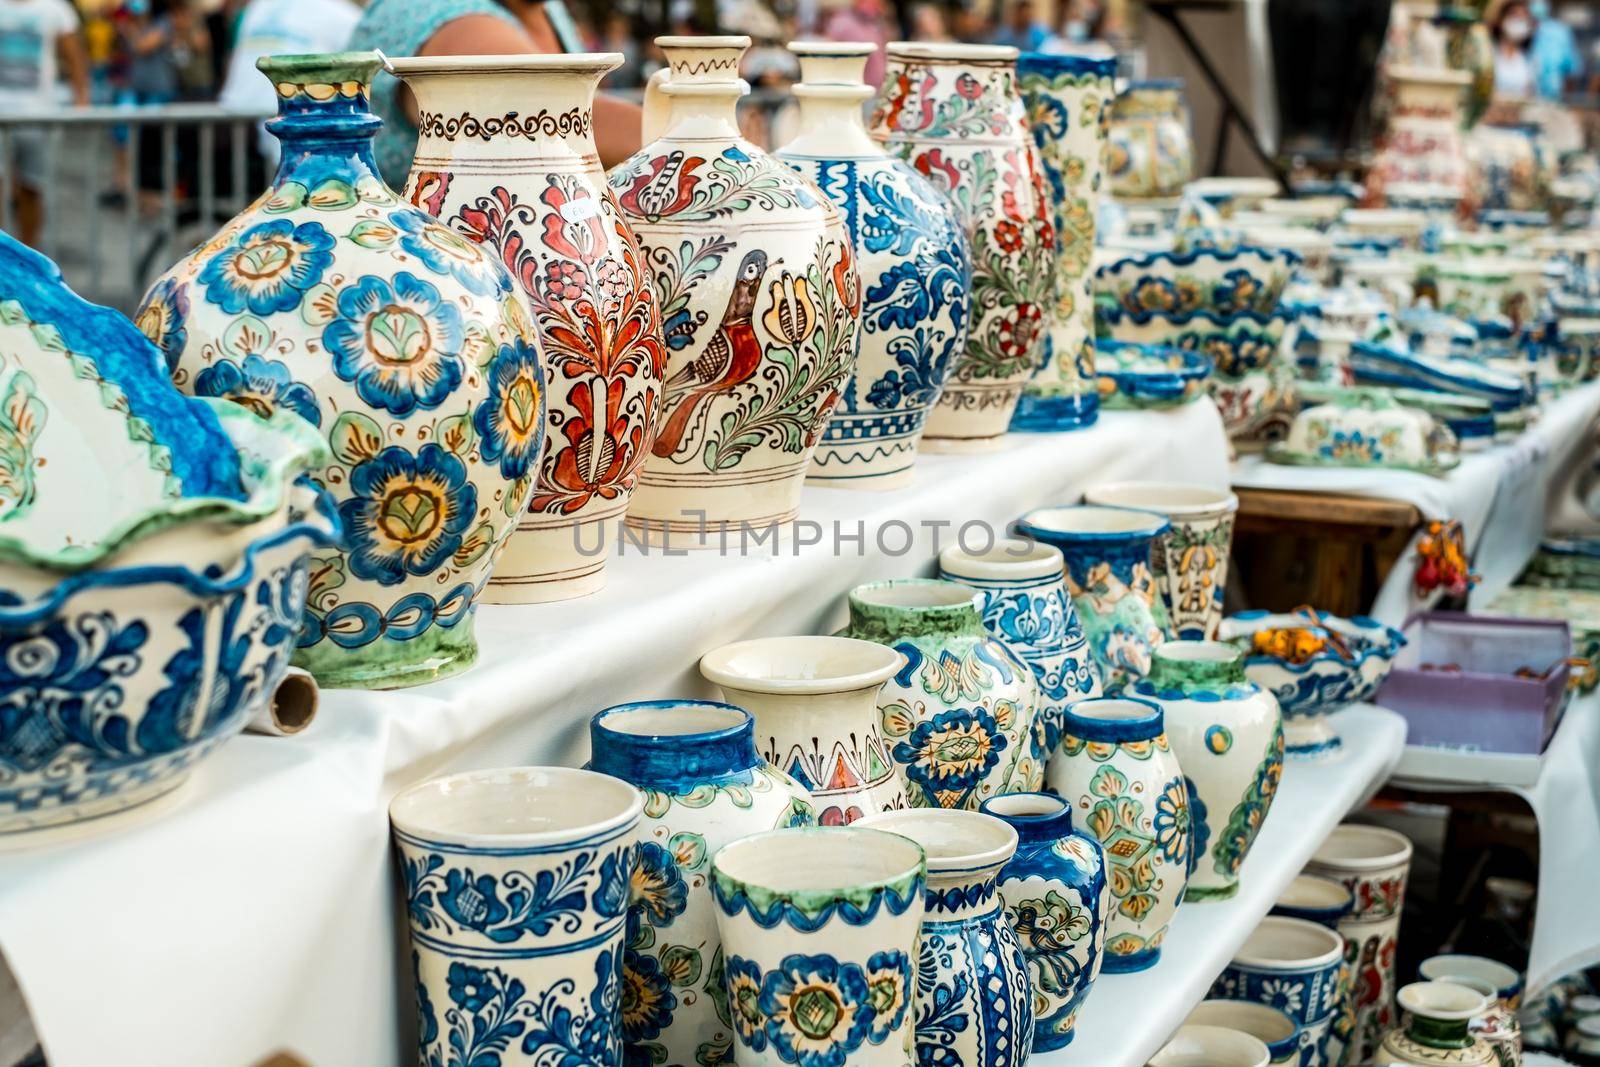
pixel 1224 303
pixel 1368 428
pixel 153 558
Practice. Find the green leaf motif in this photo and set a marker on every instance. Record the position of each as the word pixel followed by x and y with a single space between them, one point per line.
pixel 355 438
pixel 688 849
pixel 332 195
pixel 681 965
pixel 374 233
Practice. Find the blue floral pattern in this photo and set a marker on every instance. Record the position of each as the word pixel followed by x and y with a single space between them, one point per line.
pixel 447 252
pixel 408 512
pixel 398 341
pixel 268 267
pixel 262 385
pixel 815 1010
pixel 952 752
pixel 162 317
pixel 589 886
pixel 511 420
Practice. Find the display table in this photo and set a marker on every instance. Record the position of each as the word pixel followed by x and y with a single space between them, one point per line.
pixel 1129 1016
pixel 1500 495
pixel 255 909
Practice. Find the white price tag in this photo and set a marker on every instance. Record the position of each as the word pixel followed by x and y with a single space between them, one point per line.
pixel 580 210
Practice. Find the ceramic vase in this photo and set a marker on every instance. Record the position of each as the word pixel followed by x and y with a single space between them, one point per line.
pixel 760 303
pixel 1149 154
pixel 953 112
pixel 1268 1025
pixel 958 715
pixel 915 269
pixel 1438 1027
pixel 820 928
pixel 527 185
pixel 1108 574
pixel 1191 559
pixel 403 343
pixel 1315 898
pixel 1227 734
pixel 1292 965
pixel 973 1000
pixel 1068 101
pixel 815 701
pixel 1057 895
pixel 1211 1046
pixel 1117 770
pixel 1025 605
pixel 704 785
pixel 1497 1025
pixel 500 961
pixel 1373 863
pixel 1423 144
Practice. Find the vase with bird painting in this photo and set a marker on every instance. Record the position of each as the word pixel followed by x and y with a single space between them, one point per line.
pixel 953 112
pixel 915 270
pixel 760 301
pixel 526 183
pixel 403 343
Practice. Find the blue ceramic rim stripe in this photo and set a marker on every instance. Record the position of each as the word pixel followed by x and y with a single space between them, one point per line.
pixel 1145 727
pixel 1155 83
pixel 1133 961
pixel 1113 314
pixel 672 759
pixel 1055 414
pixel 1184 259
pixel 1054 536
pixel 514 850
pixel 1044 826
pixel 1050 63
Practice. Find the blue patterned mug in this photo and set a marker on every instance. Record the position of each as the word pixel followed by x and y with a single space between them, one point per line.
pixel 1292 965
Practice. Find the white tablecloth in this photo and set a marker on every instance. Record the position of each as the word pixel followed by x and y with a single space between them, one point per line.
pixel 255 910
pixel 1500 495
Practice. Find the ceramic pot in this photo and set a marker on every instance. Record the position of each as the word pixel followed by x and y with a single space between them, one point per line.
pixel 1373 864
pixel 527 185
pixel 1438 1027
pixel 1498 1025
pixel 1057 896
pixel 973 1000
pixel 1068 100
pixel 820 930
pixel 1025 605
pixel 953 112
pixel 1117 770
pixel 1227 734
pixel 1108 574
pixel 1291 965
pixel 1315 898
pixel 704 786
pixel 760 302
pixel 499 963
pixel 915 266
pixel 958 716
pixel 1494 1026
pixel 1266 1024
pixel 1148 151
pixel 1211 1046
pixel 1191 559
pixel 399 340
pixel 1423 144
pixel 815 700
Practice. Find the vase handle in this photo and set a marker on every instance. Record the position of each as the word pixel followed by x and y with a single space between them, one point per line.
pixel 655 107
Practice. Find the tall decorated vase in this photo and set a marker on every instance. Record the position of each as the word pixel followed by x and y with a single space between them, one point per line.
pixel 1149 153
pixel 915 269
pixel 755 276
pixel 526 183
pixel 958 715
pixel 1117 770
pixel 1068 99
pixel 1228 736
pixel 704 785
pixel 403 343
pixel 953 112
pixel 974 1003
pixel 1057 895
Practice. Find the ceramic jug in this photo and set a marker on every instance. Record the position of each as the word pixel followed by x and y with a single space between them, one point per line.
pixel 403 343
pixel 1068 99
pixel 915 270
pixel 973 1003
pixel 953 112
pixel 704 785
pixel 526 183
pixel 815 700
pixel 958 714
pixel 1058 898
pixel 761 303
pixel 1438 1027
pixel 1227 734
pixel 1149 154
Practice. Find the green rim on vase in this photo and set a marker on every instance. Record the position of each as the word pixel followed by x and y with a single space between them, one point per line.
pixel 1193 667
pixel 438 652
pixel 805 876
pixel 914 607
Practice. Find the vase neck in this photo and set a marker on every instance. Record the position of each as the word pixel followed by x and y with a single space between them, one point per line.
pixel 505 107
pixel 673 745
pixel 960 896
pixel 1038 818
pixel 703 111
pixel 888 611
pixel 831 123
pixel 325 122
pixel 1192 666
pixel 1439 1033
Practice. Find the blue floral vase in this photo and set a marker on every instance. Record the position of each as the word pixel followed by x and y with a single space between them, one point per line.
pixel 1025 605
pixel 704 786
pixel 974 999
pixel 403 343
pixel 516 885
pixel 1056 893
pixel 1109 575
pixel 915 273
pixel 958 716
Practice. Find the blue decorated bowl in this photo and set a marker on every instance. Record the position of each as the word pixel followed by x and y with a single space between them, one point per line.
pixel 1235 344
pixel 1246 278
pixel 1133 375
pixel 1351 657
pixel 1373 363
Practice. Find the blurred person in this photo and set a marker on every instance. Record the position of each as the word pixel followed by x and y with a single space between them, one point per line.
pixel 1513 68
pixel 191 51
pixel 968 24
pixel 1023 30
pixel 928 23
pixel 861 20
pixel 151 46
pixel 468 28
pixel 38 39
pixel 1556 63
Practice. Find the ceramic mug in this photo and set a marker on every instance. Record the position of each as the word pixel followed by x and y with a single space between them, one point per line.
pixel 1263 1022
pixel 1211 1046
pixel 1291 965
pixel 1313 897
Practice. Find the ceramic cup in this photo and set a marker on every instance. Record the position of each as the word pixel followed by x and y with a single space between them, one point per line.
pixel 1438 1028
pixel 1313 897
pixel 500 959
pixel 1505 981
pixel 1494 1025
pixel 1291 965
pixel 819 930
pixel 1266 1024
pixel 1211 1046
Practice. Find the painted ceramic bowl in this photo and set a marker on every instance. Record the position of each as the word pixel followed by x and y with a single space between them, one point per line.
pixel 1266 1024
pixel 1367 428
pixel 1324 901
pixel 1236 343
pixel 1148 376
pixel 1211 1046
pixel 1314 248
pixel 1312 661
pixel 1293 965
pixel 1224 283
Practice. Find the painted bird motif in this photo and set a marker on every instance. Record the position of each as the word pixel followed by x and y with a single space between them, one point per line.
pixel 729 358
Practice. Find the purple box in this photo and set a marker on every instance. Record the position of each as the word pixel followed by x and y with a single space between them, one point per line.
pixel 1483 706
